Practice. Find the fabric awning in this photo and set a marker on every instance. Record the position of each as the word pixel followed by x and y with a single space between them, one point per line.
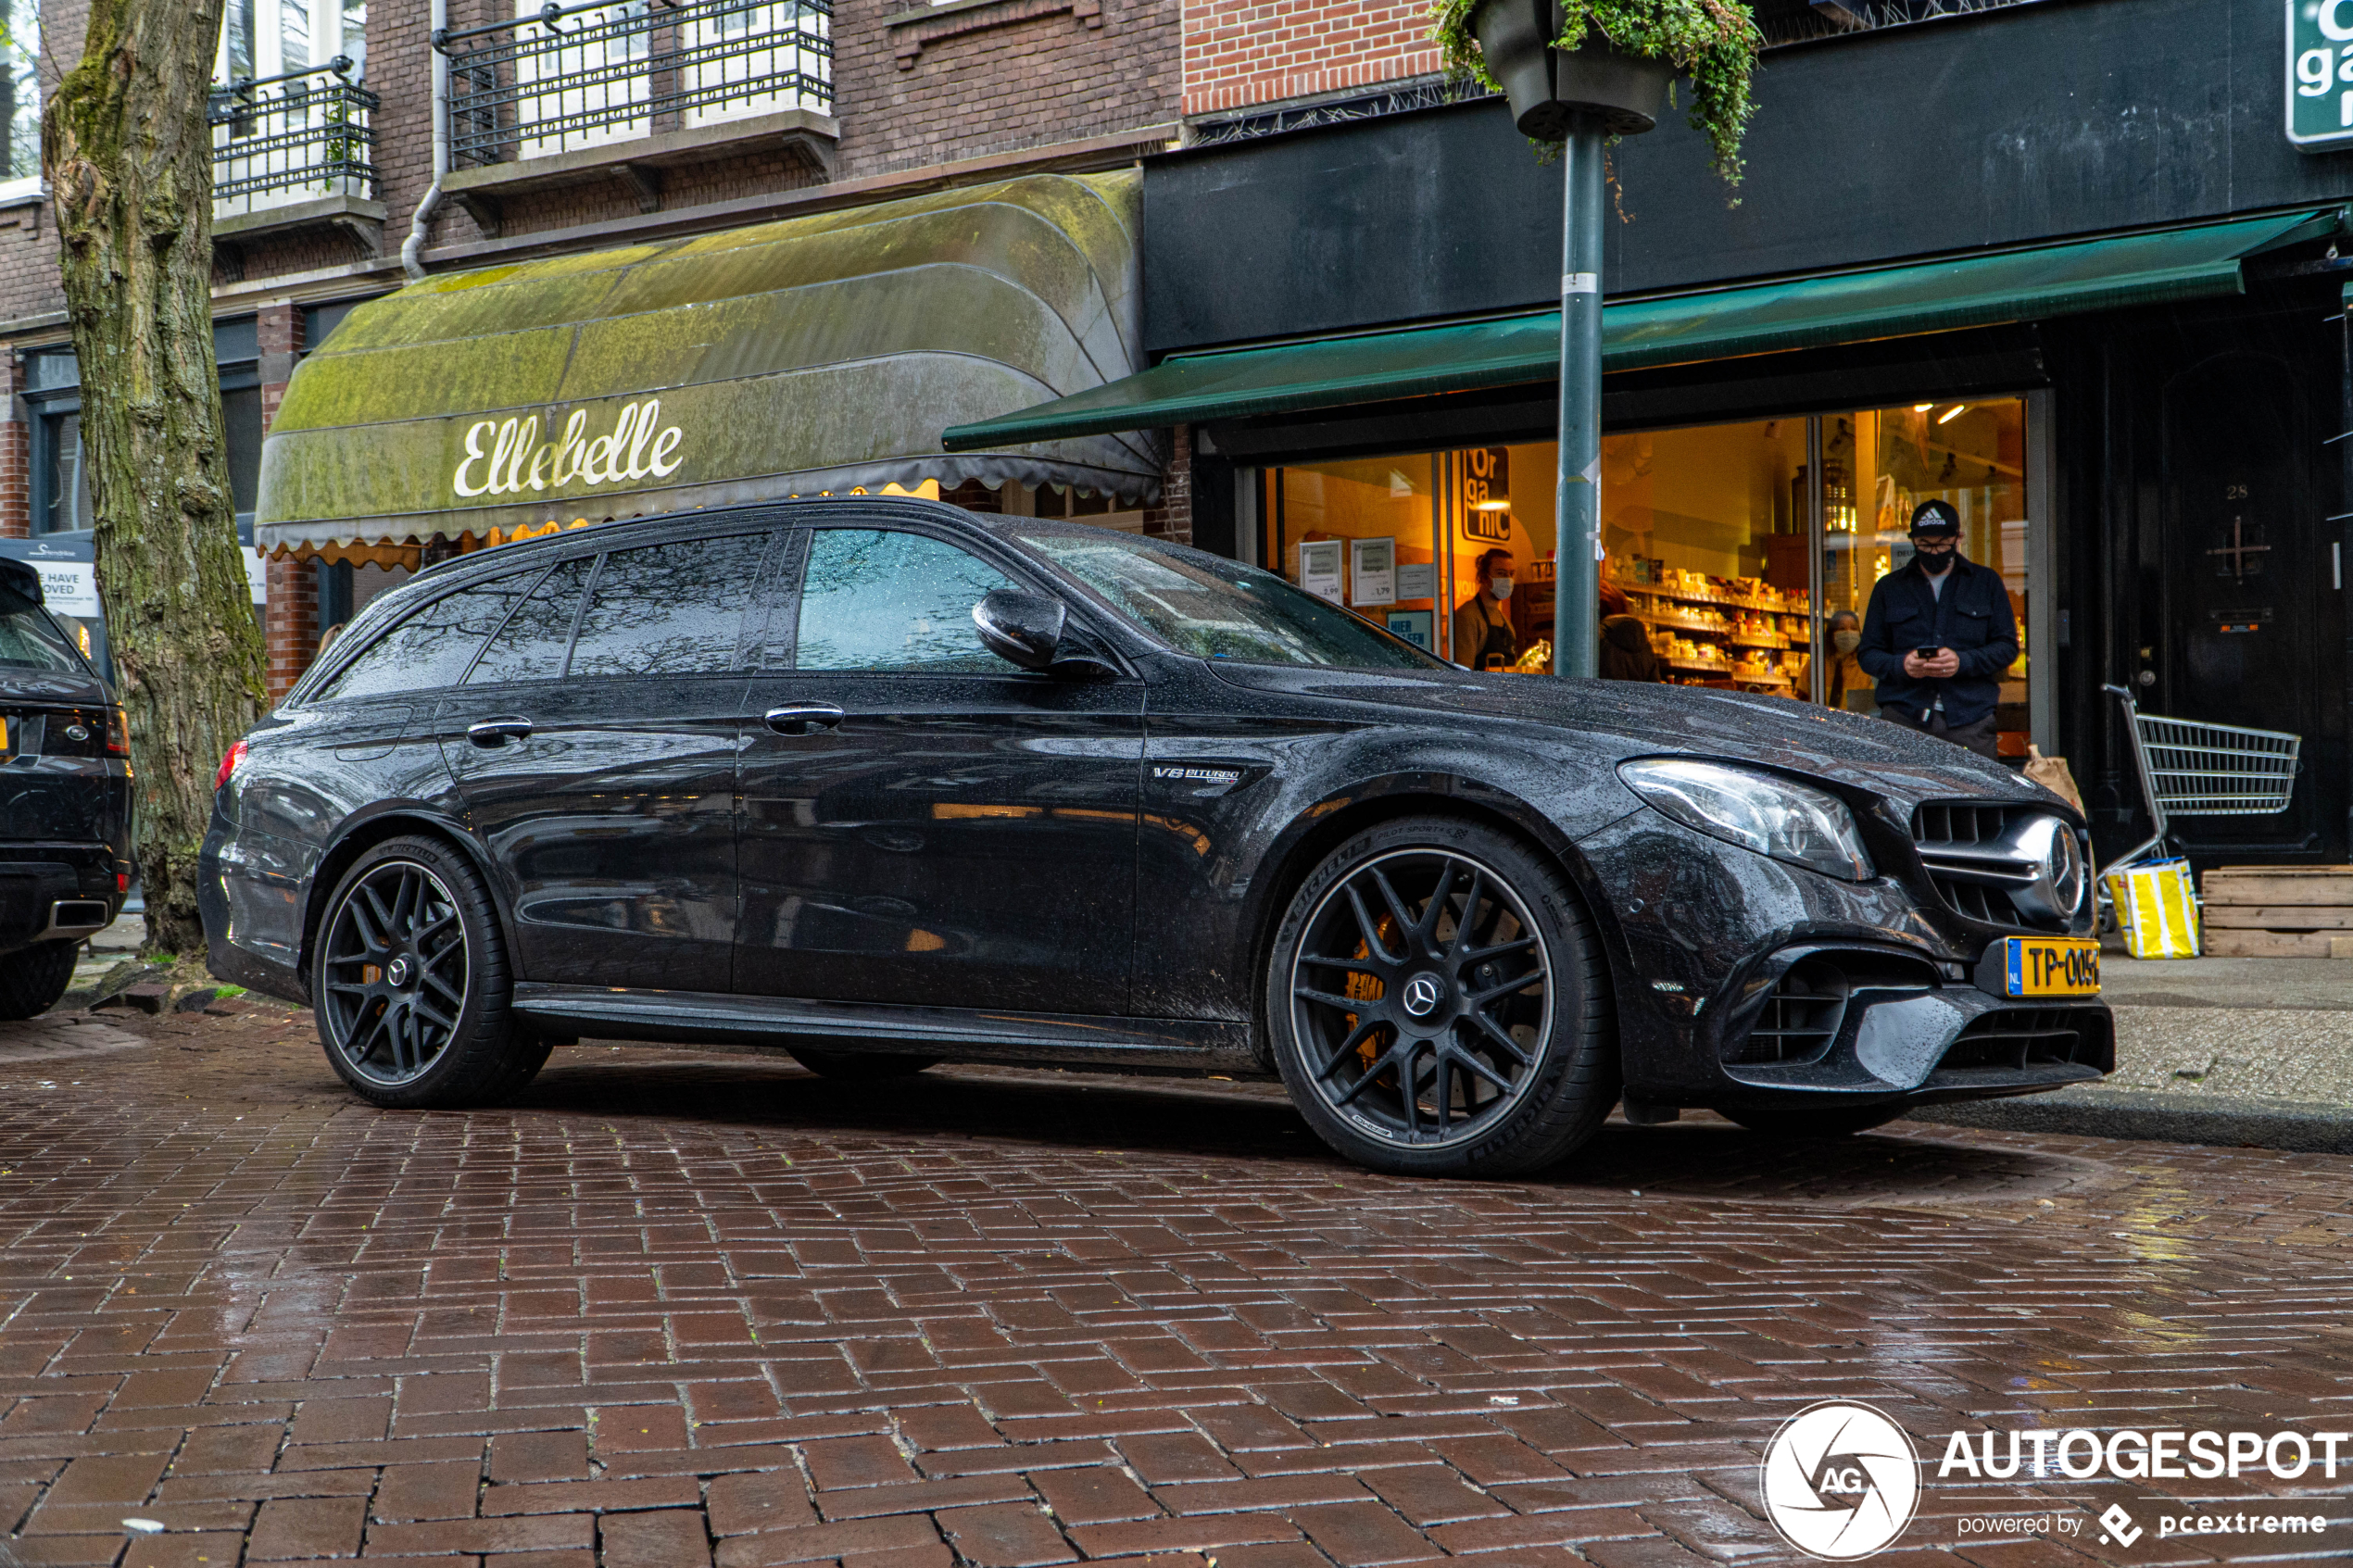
pixel 1971 291
pixel 810 355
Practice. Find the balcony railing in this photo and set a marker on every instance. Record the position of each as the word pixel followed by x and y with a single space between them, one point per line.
pixel 292 138
pixel 573 77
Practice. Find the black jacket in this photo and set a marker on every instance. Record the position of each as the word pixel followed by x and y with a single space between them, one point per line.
pixel 1972 618
pixel 1627 654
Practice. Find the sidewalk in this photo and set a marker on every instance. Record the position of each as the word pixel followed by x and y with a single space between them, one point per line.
pixel 2254 1051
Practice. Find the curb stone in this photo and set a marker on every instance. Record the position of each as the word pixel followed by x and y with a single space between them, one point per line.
pixel 2294 1125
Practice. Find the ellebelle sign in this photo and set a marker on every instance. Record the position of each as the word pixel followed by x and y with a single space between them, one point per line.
pixel 507 458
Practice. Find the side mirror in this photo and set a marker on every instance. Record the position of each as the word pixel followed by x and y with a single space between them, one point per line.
pixel 1021 628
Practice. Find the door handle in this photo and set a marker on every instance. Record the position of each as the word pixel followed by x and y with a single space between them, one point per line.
pixel 803 718
pixel 493 733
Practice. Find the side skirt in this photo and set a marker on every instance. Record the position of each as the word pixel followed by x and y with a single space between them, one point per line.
pixel 1153 1045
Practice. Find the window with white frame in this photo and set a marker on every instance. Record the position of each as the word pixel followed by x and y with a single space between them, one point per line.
pixel 19 97
pixel 290 119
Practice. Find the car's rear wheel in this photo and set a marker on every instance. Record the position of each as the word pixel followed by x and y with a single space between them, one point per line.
pixel 33 978
pixel 1810 1122
pixel 1437 1003
pixel 412 984
pixel 858 1067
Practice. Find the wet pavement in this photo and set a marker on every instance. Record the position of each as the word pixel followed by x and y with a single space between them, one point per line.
pixel 676 1309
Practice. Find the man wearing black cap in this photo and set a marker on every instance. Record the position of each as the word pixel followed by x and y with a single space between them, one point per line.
pixel 1938 635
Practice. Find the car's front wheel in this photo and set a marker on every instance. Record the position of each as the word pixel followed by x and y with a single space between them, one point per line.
pixel 411 985
pixel 1437 1003
pixel 31 980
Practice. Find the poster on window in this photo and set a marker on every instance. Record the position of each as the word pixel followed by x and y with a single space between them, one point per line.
pixel 1319 565
pixel 1372 572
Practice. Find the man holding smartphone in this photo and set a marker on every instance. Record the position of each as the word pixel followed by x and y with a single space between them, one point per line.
pixel 1938 635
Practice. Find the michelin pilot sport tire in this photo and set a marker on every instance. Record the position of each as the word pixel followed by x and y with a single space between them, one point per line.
pixel 1438 1004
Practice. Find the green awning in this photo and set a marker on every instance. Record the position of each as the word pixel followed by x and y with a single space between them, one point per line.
pixel 1930 296
pixel 815 354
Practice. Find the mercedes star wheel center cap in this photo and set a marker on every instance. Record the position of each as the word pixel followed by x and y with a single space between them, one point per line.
pixel 397 973
pixel 1423 993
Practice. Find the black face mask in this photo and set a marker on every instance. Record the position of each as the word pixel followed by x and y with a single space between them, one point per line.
pixel 1936 563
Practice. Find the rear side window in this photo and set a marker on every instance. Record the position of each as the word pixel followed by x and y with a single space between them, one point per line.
pixel 880 600
pixel 669 609
pixel 29 639
pixel 531 645
pixel 431 648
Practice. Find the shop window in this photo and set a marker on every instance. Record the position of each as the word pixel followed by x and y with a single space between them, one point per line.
pixel 1706 533
pixel 1741 570
pixel 1879 464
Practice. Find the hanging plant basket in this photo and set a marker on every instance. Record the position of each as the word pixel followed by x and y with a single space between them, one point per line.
pixel 1613 59
pixel 1548 87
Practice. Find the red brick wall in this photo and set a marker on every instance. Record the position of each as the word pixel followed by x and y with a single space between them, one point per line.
pixel 1172 518
pixel 290 622
pixel 15 455
pixel 1239 52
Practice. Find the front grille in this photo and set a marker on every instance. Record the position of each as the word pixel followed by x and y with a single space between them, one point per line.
pixel 2013 1039
pixel 1953 837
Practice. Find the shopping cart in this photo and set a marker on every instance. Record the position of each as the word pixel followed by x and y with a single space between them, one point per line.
pixel 2192 769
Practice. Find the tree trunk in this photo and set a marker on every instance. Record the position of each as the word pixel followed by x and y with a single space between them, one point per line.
pixel 128 160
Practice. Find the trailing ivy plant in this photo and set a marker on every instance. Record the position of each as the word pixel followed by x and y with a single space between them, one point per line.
pixel 1714 41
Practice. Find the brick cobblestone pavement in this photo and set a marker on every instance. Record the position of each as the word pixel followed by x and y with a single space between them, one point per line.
pixel 678 1309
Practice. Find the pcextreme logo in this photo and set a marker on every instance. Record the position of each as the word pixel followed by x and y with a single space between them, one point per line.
pixel 1840 1480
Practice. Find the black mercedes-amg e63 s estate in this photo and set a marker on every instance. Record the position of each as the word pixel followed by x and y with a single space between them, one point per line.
pixel 884 784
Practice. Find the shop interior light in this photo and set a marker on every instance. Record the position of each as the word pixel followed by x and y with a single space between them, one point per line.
pixel 1922 407
pixel 1949 415
pixel 1491 506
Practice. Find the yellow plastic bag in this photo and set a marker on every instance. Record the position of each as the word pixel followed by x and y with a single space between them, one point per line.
pixel 2157 908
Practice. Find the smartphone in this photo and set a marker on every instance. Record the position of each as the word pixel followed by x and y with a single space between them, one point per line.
pixel 1929 652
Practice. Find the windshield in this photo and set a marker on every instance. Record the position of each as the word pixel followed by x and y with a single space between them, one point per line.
pixel 1216 609
pixel 29 639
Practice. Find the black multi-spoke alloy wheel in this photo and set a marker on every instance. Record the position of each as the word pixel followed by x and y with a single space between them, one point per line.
pixel 856 1066
pixel 31 980
pixel 411 983
pixel 1813 1121
pixel 1437 1003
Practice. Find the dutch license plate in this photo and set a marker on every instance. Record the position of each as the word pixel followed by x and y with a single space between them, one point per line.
pixel 2050 966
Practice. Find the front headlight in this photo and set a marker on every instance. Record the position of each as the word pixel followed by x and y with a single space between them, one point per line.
pixel 1756 811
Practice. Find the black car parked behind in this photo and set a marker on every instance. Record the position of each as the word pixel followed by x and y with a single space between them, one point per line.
pixel 64 800
pixel 881 783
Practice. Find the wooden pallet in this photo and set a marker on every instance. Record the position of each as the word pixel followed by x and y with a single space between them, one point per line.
pixel 2278 913
pixel 2221 942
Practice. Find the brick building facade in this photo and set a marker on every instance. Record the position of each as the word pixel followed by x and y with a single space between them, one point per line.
pixel 920 98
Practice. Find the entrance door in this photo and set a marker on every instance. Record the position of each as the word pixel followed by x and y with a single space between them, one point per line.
pixel 922 822
pixel 2249 630
pixel 604 786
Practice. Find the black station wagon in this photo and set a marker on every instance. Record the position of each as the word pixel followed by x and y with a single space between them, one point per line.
pixel 883 784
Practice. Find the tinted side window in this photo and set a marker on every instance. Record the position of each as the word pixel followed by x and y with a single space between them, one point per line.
pixel 669 609
pixel 531 645
pixel 429 651
pixel 875 599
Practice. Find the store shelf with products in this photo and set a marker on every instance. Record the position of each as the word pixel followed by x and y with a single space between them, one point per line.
pixel 1700 643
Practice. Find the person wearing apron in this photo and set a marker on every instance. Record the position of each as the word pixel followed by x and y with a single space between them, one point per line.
pixel 1483 635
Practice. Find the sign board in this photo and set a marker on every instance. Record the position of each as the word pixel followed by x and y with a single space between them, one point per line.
pixel 1413 625
pixel 2320 73
pixel 1416 579
pixel 257 574
pixel 1372 572
pixel 68 581
pixel 1320 568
